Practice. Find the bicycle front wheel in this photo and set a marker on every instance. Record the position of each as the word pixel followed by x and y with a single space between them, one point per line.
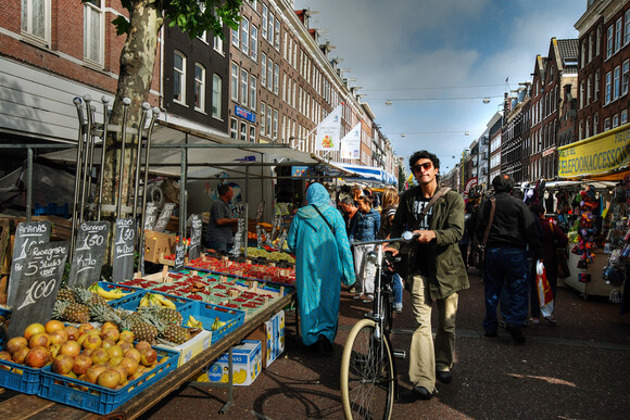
pixel 367 374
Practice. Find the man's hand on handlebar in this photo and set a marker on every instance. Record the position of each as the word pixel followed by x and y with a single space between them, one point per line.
pixel 394 251
pixel 424 236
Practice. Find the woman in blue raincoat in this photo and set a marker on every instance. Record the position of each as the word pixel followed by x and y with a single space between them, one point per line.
pixel 322 261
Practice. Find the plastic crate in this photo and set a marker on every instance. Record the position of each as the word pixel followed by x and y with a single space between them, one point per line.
pixel 132 302
pixel 126 289
pixel 19 377
pixel 208 312
pixel 98 399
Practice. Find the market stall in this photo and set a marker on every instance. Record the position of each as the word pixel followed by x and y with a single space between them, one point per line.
pixel 597 167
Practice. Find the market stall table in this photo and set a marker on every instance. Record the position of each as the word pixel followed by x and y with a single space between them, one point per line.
pixel 30 406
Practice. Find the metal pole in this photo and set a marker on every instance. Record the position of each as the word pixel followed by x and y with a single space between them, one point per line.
pixel 123 128
pixel 77 177
pixel 88 185
pixel 147 160
pixel 145 108
pixel 105 101
pixel 86 157
pixel 182 195
pixel 29 183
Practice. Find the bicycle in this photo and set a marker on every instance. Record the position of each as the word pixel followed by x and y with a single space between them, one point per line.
pixel 368 373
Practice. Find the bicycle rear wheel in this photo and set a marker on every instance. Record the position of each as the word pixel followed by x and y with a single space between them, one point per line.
pixel 367 374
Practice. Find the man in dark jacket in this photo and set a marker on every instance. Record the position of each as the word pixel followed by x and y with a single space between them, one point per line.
pixel 436 273
pixel 512 229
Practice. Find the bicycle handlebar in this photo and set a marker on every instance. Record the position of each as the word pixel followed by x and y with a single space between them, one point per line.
pixel 406 236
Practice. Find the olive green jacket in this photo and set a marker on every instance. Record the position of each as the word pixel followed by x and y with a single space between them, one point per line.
pixel 447 271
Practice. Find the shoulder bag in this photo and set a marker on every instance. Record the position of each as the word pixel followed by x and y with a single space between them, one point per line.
pixel 478 250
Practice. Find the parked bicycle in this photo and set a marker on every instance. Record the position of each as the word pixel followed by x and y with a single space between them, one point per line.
pixel 368 374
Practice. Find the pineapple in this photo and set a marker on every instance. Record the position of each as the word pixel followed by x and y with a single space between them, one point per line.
pixel 142 330
pixel 66 295
pixel 71 312
pixel 88 298
pixel 169 331
pixel 176 334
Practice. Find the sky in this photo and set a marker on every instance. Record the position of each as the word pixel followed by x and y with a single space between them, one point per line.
pixel 435 61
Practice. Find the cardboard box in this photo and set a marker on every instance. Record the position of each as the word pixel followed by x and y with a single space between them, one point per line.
pixel 190 348
pixel 271 335
pixel 158 243
pixel 246 365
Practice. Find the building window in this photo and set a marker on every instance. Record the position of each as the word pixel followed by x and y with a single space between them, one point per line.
pixel 179 77
pixel 252 134
pixel 217 91
pixel 598 41
pixel 624 117
pixel 234 83
pixel 588 89
pixel 277 38
pixel 93 31
pixel 617 82
pixel 253 83
pixel 270 32
pixel 590 47
pixel 609 41
pixel 36 19
pixel 596 85
pixel 245 36
pixel 615 121
pixel 618 34
pixel 607 124
pixel 587 130
pixel 233 128
pixel 244 87
pixel 275 124
pixel 254 43
pixel 269 74
pixel 626 35
pixel 582 94
pixel 269 123
pixel 625 76
pixel 236 39
pixel 243 131
pixel 276 79
pixel 218 42
pixel 263 69
pixel 263 25
pixel 608 88
pixel 262 118
pixel 200 88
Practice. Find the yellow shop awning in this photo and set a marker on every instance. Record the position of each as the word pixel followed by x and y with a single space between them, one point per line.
pixel 605 156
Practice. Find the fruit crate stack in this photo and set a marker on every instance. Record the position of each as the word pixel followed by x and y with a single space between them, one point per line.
pixel 244 268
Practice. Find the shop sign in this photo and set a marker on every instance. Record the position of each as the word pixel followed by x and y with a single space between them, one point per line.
pixel 548 152
pixel 597 155
pixel 471 183
pixel 243 113
pixel 89 254
pixel 302 172
pixel 124 249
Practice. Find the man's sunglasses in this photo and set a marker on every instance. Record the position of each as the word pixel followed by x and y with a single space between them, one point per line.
pixel 425 166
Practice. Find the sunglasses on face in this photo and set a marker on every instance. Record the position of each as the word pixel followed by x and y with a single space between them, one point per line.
pixel 425 166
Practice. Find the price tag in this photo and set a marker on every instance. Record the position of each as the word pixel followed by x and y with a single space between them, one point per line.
pixel 150 216
pixel 180 255
pixel 165 216
pixel 194 249
pixel 37 291
pixel 27 234
pixel 124 249
pixel 88 254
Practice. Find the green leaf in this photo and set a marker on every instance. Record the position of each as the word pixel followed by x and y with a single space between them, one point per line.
pixel 122 25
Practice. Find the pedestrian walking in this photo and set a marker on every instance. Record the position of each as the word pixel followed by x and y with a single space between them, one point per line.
pixel 365 229
pixel 436 272
pixel 513 228
pixel 390 201
pixel 552 239
pixel 317 234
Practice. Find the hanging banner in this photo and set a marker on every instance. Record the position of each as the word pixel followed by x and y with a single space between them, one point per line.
pixel 596 156
pixel 351 143
pixel 329 132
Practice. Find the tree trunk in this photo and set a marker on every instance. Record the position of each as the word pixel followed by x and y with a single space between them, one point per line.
pixel 136 74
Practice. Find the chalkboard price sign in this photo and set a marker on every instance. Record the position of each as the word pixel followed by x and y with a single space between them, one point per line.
pixel 194 249
pixel 88 254
pixel 165 216
pixel 180 256
pixel 150 214
pixel 27 234
pixel 39 285
pixel 124 241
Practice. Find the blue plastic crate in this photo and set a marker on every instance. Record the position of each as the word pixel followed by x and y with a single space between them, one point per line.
pixel 98 399
pixel 208 312
pixel 132 302
pixel 125 289
pixel 19 377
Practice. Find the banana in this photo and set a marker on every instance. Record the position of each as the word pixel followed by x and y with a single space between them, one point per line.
pixel 194 323
pixel 107 294
pixel 217 324
pixel 164 301
pixel 152 300
pixel 145 300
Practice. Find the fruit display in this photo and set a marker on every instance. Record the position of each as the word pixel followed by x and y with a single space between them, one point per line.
pixel 273 256
pixel 77 304
pixel 231 293
pixel 262 272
